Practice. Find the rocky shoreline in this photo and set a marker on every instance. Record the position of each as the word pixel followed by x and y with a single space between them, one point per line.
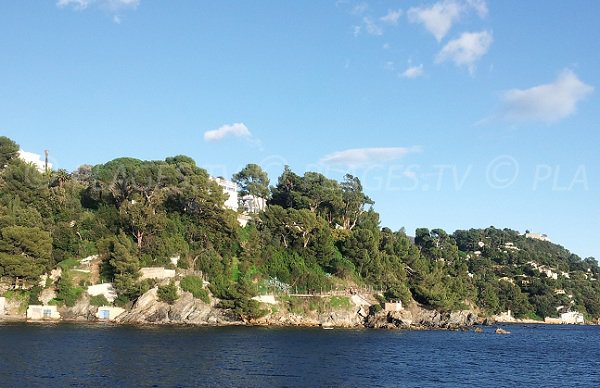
pixel 189 311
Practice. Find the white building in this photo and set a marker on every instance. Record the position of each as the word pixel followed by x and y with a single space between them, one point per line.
pixel 572 318
pixel 253 204
pixel 37 313
pixel 35 159
pixel 109 313
pixel 537 236
pixel 230 188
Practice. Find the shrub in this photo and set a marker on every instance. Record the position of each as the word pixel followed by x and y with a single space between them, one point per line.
pixel 99 300
pixel 68 264
pixel 22 297
pixel 374 309
pixel 340 302
pixel 168 293
pixel 194 285
pixel 34 295
pixel 66 292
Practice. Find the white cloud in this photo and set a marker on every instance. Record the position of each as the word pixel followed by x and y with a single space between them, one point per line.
pixel 35 159
pixel 392 16
pixel 372 27
pixel 227 130
pixel 467 49
pixel 367 156
pixel 439 18
pixel 113 7
pixel 76 4
pixel 548 102
pixel 413 71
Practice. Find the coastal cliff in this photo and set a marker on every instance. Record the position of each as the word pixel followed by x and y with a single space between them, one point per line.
pixel 285 311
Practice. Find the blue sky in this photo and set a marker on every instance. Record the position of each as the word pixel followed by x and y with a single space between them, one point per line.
pixel 455 114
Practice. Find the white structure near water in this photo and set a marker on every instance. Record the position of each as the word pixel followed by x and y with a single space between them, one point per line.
pixel 2 305
pixel 109 313
pixel 42 313
pixel 572 318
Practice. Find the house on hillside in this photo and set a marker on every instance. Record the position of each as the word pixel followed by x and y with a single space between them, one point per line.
pixel 230 188
pixel 537 236
pixel 253 204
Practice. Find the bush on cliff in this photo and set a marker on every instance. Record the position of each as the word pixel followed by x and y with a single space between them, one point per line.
pixel 194 285
pixel 168 293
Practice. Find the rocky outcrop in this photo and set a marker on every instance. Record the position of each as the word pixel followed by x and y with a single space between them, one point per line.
pixel 419 318
pixel 186 310
pixel 341 319
pixel 82 311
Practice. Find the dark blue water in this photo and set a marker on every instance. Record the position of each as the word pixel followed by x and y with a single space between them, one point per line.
pixel 87 355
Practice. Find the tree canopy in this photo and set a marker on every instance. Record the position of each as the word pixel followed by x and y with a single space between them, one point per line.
pixel 316 233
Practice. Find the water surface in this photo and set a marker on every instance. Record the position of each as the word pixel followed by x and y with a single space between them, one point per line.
pixel 97 355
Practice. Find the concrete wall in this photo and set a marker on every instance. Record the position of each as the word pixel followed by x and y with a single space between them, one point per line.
pixel 268 299
pixel 393 306
pixel 158 273
pixel 105 289
pixel 38 312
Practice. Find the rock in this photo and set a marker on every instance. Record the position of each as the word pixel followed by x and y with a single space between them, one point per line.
pixel 502 331
pixel 47 295
pixel 186 310
pixel 478 330
pixel 489 321
pixel 82 311
pixel 416 318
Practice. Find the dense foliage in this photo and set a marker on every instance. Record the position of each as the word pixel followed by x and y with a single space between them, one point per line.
pixel 315 234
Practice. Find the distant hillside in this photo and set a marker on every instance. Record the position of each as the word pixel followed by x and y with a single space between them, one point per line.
pixel 314 233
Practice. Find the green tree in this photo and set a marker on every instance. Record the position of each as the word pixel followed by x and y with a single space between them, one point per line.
pixel 121 264
pixel 354 201
pixel 25 252
pixel 253 180
pixel 8 151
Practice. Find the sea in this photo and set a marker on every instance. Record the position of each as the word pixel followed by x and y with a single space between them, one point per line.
pixel 86 355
